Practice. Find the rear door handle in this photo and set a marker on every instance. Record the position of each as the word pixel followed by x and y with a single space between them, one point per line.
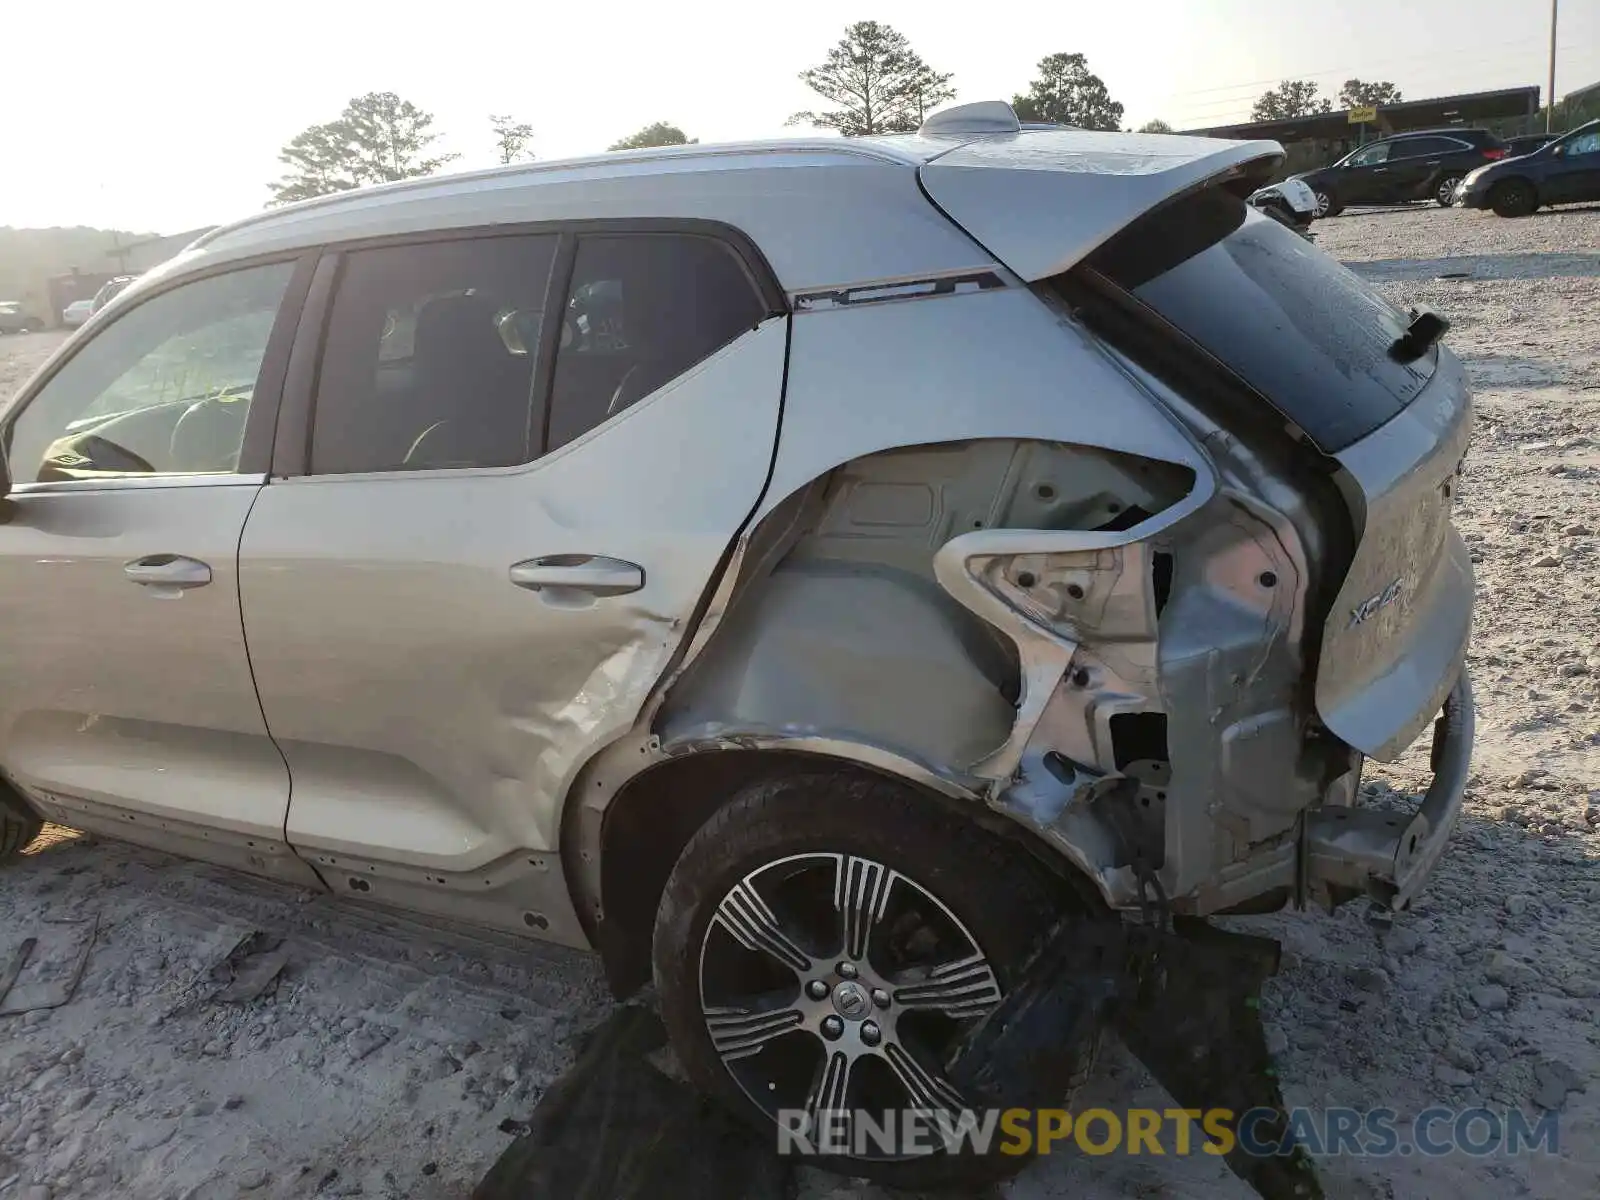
pixel 167 576
pixel 593 574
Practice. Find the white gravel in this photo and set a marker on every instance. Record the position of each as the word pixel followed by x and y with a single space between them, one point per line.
pixel 390 1052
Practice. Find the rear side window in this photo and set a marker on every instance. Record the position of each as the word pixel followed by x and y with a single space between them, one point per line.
pixel 429 357
pixel 1410 148
pixel 1434 146
pixel 641 310
pixel 1295 325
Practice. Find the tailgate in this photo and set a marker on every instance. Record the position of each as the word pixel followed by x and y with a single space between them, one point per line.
pixel 1396 637
pixel 1041 200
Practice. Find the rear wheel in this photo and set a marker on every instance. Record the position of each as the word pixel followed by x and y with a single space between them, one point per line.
pixel 821 945
pixel 1513 198
pixel 1446 193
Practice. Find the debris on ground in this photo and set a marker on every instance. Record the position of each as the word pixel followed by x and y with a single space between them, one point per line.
pixel 614 1127
pixel 45 970
pixel 250 967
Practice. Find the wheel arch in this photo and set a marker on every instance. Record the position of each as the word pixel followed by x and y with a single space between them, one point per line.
pixel 647 824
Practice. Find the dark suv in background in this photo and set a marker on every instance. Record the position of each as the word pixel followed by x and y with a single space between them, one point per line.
pixel 1425 165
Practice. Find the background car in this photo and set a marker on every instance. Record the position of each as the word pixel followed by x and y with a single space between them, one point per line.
pixel 1290 201
pixel 1518 146
pixel 77 313
pixel 109 291
pixel 1426 165
pixel 15 319
pixel 1567 171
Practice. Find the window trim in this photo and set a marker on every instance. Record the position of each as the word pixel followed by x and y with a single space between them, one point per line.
pixel 291 455
pixel 255 451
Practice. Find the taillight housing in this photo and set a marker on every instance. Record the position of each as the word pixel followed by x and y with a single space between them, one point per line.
pixel 1494 152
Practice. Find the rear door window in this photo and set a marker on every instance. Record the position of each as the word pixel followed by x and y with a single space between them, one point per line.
pixel 1299 328
pixel 429 358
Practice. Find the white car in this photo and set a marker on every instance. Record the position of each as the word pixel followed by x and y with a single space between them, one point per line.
pixel 1292 200
pixel 77 313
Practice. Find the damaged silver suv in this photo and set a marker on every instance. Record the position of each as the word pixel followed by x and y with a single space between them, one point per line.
pixel 798 571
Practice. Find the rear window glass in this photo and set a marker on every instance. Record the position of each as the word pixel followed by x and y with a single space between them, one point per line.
pixel 1286 318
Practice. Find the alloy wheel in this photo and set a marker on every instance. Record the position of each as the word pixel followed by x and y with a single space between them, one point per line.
pixel 831 984
pixel 1324 203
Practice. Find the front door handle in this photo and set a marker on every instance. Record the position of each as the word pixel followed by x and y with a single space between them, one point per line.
pixel 168 573
pixel 588 573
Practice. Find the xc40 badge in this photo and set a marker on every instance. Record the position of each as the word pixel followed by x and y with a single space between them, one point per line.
pixel 1361 612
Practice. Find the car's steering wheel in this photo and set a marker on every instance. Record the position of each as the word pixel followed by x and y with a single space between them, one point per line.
pixel 92 452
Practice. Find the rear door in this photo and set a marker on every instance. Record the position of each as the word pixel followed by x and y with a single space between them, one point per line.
pixel 126 700
pixel 511 507
pixel 1407 169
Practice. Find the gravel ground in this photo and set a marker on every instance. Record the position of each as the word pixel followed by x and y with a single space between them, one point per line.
pixel 389 1054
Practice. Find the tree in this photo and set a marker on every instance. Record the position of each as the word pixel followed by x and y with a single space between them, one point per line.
pixel 1358 94
pixel 1155 126
pixel 658 134
pixel 512 137
pixel 877 83
pixel 1291 98
pixel 1068 93
pixel 378 138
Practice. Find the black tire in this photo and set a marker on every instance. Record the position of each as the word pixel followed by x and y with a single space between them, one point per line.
pixel 1513 198
pixel 1328 203
pixel 998 896
pixel 19 825
pixel 1445 194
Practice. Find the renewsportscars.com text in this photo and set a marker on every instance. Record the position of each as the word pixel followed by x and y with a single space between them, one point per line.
pixel 1365 1132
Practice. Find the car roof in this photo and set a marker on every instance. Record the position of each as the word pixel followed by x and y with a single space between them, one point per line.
pixel 825 212
pixel 814 206
pixel 1444 131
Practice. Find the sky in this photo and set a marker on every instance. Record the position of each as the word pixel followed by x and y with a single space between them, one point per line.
pixel 164 115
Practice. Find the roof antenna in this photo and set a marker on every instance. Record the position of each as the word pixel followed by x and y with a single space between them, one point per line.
pixel 980 117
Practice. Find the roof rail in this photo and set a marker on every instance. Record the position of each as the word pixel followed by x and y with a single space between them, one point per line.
pixel 982 116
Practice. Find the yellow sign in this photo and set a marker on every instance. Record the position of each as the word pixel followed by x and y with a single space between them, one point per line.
pixel 1361 116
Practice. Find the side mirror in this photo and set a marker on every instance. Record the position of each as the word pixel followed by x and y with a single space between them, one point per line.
pixel 1558 151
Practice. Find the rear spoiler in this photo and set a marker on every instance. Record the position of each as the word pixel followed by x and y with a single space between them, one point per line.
pixel 1042 200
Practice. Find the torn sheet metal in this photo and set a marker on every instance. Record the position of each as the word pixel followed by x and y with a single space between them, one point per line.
pixel 48 977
